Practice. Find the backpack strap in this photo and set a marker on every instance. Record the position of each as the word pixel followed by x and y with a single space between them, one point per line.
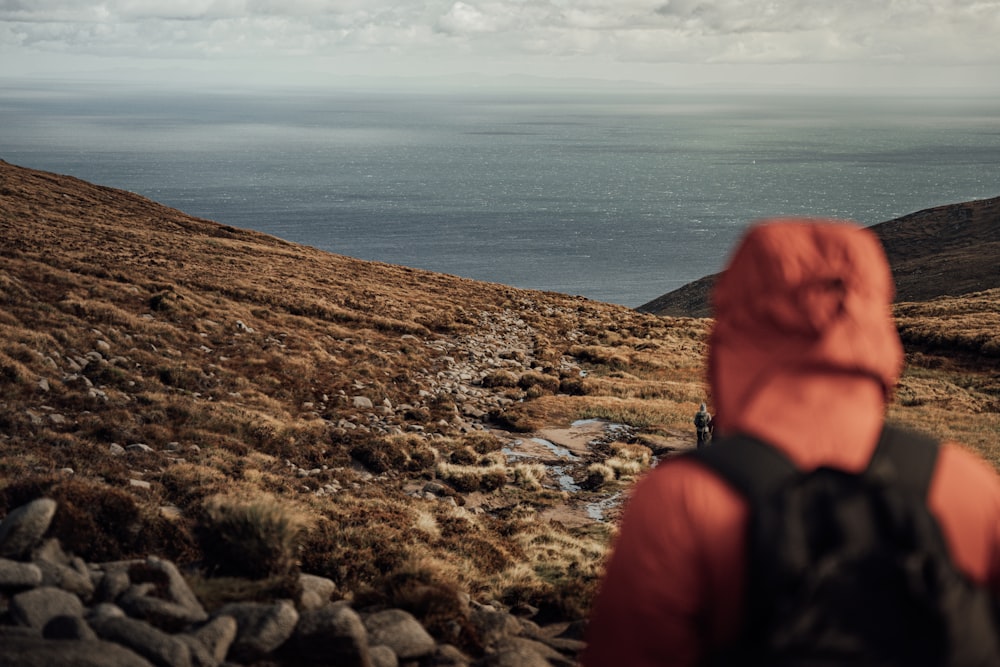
pixel 749 465
pixel 757 469
pixel 906 458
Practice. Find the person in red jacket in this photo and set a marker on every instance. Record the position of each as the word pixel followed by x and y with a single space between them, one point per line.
pixel 804 355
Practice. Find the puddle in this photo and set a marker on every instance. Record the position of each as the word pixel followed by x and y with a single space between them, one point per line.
pixel 511 454
pixel 565 451
pixel 561 452
pixel 564 479
pixel 598 509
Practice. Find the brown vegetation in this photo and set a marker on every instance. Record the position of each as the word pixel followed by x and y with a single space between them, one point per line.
pixel 182 386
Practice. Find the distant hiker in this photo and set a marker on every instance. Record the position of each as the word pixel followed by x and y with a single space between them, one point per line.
pixel 703 425
pixel 714 544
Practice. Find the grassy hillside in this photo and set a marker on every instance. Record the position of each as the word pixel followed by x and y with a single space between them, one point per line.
pixel 160 374
pixel 153 365
pixel 943 251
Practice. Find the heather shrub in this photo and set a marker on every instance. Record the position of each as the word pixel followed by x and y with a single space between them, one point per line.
pixel 483 442
pixel 500 378
pixel 529 475
pixel 467 478
pixel 255 539
pixel 599 474
pixel 541 382
pixel 398 452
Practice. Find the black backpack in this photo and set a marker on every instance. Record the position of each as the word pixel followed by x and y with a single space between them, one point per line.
pixel 850 569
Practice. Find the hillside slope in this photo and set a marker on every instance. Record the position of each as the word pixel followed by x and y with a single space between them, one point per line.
pixel 152 363
pixel 942 251
pixel 435 439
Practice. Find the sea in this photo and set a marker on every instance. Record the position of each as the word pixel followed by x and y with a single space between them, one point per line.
pixel 618 195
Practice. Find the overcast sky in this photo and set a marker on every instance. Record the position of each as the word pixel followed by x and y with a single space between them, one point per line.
pixel 863 43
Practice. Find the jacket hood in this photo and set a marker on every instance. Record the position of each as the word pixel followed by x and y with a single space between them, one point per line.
pixel 801 296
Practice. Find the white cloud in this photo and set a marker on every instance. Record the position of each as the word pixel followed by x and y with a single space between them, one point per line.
pixel 427 33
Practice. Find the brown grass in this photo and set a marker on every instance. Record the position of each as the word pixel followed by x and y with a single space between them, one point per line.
pixel 238 359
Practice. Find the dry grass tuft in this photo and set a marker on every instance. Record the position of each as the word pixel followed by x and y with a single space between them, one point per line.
pixel 252 539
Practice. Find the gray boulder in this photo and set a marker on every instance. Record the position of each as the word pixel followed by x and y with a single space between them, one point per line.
pixel 333 634
pixel 383 656
pixel 61 570
pixel 179 606
pixel 401 632
pixel 68 627
pixel 37 652
pixel 316 591
pixel 24 527
pixel 217 636
pixel 262 628
pixel 516 652
pixel 17 575
pixel 38 606
pixel 493 625
pixel 160 648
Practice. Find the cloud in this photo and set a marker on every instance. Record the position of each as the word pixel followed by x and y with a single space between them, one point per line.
pixel 929 32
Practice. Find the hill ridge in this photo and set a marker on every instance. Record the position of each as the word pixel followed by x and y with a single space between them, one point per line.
pixel 946 250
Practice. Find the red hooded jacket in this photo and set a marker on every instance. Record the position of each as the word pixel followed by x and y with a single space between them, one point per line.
pixel 803 355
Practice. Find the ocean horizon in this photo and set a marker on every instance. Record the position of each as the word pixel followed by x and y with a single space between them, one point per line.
pixel 616 195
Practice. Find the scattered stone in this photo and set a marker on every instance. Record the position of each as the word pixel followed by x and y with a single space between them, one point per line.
pixel 333 634
pixel 38 606
pixel 217 636
pixel 383 656
pixel 59 569
pixel 493 626
pixel 401 632
pixel 262 627
pixel 316 591
pixel 39 652
pixel 362 403
pixel 24 527
pixel 515 654
pixel 68 627
pixel 160 648
pixel 16 575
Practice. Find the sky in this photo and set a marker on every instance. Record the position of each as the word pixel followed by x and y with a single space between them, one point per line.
pixel 862 44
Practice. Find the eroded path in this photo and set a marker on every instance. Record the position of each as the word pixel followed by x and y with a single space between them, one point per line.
pixel 568 452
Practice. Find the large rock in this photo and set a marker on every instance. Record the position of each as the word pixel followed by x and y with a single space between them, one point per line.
pixel 24 527
pixel 37 652
pixel 160 648
pixel 316 591
pixel 217 636
pixel 518 652
pixel 63 571
pixel 177 609
pixel 38 606
pixel 68 627
pixel 17 575
pixel 333 634
pixel 262 628
pixel 493 625
pixel 401 632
